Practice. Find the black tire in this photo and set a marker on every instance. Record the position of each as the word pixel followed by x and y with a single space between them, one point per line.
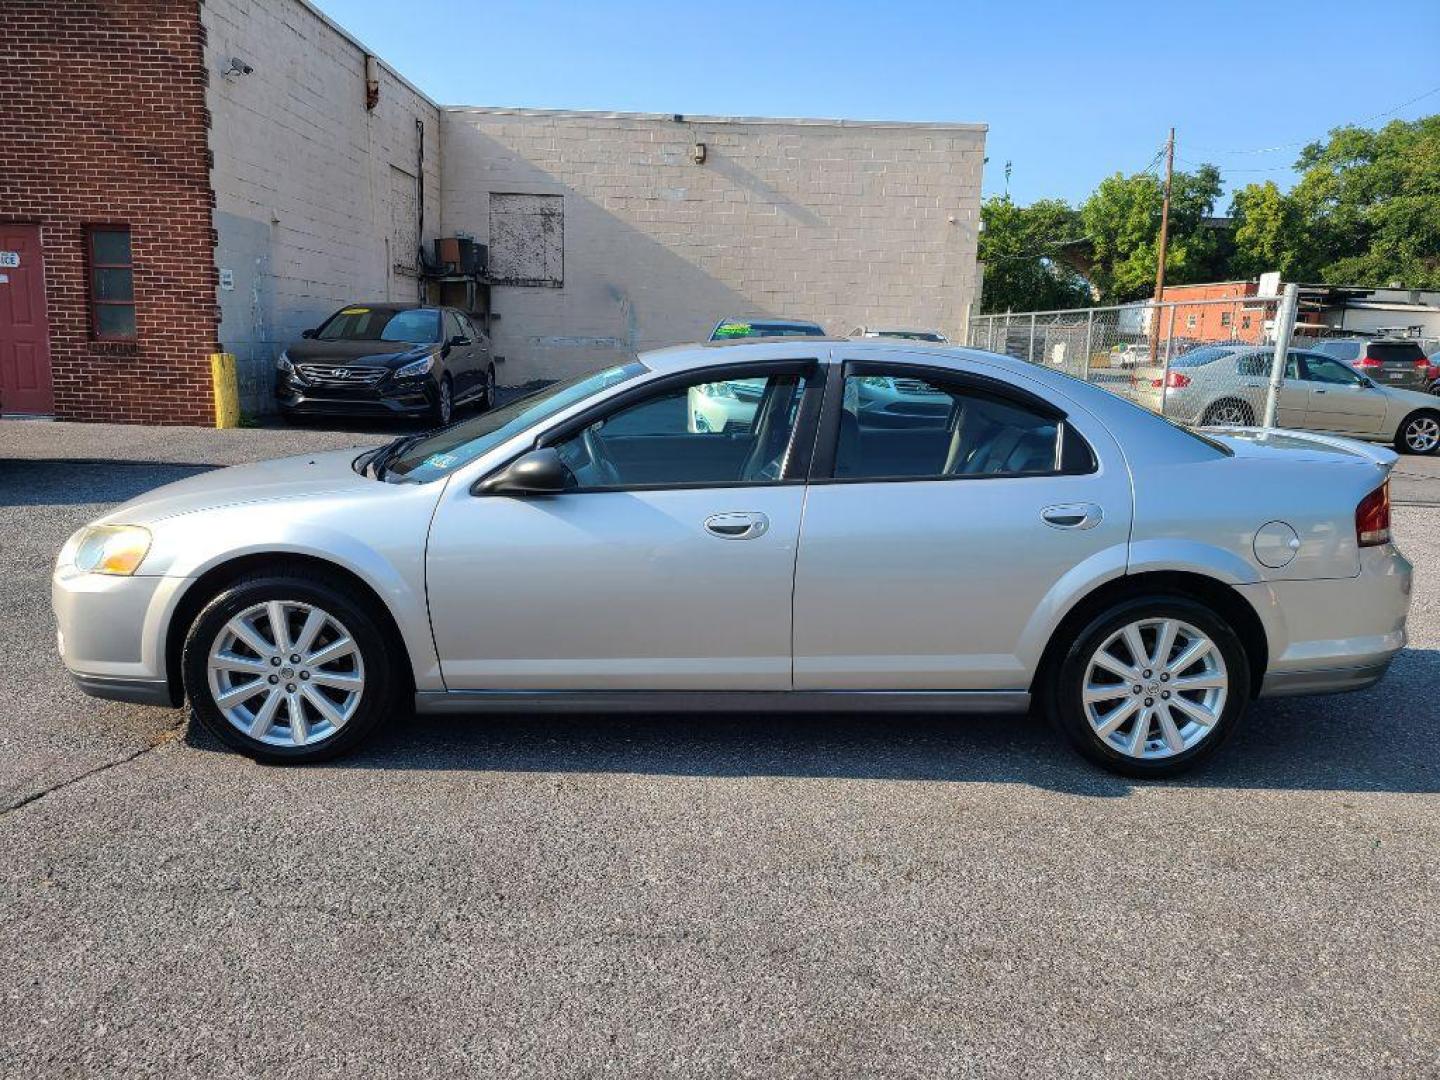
pixel 1062 697
pixel 443 410
pixel 487 400
pixel 1410 437
pixel 383 681
pixel 1247 414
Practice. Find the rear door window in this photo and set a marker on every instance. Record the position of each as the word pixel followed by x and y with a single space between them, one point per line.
pixel 902 425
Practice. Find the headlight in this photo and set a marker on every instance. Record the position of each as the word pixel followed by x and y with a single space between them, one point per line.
pixel 107 549
pixel 282 363
pixel 417 367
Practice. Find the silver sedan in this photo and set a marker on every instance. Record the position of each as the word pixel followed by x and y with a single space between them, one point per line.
pixel 1024 539
pixel 1227 385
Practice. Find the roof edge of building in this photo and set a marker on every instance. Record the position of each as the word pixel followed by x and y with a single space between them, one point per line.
pixel 687 118
pixel 310 6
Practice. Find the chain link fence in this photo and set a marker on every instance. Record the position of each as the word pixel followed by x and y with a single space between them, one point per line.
pixel 1193 361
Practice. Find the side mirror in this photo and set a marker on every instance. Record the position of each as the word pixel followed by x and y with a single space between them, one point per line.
pixel 540 472
pixel 458 339
pixel 307 333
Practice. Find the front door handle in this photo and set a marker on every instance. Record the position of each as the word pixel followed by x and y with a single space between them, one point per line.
pixel 737 525
pixel 1072 516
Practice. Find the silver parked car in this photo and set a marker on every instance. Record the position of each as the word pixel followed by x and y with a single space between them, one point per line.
pixel 1033 540
pixel 1227 385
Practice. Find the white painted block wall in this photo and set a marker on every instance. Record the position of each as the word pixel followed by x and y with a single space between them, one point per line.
pixel 304 176
pixel 847 223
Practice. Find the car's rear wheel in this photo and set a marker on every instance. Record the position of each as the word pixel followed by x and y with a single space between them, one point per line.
pixel 1419 433
pixel 1229 413
pixel 1151 687
pixel 287 669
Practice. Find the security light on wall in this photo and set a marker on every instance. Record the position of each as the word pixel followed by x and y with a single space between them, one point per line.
pixel 697 153
pixel 237 68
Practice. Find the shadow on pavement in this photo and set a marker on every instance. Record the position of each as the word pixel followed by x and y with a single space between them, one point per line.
pixel 31 482
pixel 1367 741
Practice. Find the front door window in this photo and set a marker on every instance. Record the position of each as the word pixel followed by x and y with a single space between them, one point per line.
pixel 718 432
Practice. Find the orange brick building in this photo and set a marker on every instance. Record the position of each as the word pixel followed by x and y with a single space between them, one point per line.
pixel 1214 322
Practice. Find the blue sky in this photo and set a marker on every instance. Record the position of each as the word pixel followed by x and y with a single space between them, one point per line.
pixel 1072 92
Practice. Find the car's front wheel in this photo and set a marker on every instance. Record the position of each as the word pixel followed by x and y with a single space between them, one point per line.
pixel 1150 687
pixel 1419 434
pixel 443 410
pixel 288 669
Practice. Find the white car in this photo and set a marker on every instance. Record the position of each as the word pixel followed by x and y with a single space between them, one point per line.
pixel 1032 542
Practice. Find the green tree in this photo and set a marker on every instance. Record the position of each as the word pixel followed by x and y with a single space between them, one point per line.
pixel 1268 234
pixel 1019 246
pixel 1369 202
pixel 1122 219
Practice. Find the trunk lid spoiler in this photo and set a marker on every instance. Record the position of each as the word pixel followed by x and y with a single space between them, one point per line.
pixel 1256 441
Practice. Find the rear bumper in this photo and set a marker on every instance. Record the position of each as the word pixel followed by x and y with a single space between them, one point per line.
pixel 1332 635
pixel 1324 681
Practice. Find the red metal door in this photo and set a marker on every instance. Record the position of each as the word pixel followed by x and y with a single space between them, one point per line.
pixel 24 329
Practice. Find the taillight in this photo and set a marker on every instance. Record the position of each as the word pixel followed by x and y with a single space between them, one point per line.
pixel 1422 362
pixel 1175 380
pixel 1369 362
pixel 1372 518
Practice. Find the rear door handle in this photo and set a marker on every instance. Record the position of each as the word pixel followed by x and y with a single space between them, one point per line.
pixel 1072 516
pixel 737 525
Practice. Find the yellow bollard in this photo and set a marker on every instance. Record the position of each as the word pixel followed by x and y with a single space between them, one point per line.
pixel 227 390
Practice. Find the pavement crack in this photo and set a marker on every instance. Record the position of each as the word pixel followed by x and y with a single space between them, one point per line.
pixel 167 736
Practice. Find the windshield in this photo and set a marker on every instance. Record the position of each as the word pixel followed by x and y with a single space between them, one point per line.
pixel 761 328
pixel 418 325
pixel 442 452
pixel 1200 357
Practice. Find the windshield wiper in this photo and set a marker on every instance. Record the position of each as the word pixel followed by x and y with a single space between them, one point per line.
pixel 376 466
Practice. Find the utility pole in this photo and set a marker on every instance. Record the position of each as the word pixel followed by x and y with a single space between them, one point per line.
pixel 1164 243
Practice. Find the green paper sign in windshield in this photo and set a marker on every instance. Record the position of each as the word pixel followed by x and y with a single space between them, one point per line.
pixel 734 329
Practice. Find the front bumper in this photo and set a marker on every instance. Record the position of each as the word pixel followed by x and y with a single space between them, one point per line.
pixel 408 397
pixel 110 633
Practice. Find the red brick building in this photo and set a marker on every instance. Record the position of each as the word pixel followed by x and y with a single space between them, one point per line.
pixel 107 272
pixel 1213 322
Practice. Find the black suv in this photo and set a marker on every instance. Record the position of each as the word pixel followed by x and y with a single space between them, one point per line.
pixel 387 359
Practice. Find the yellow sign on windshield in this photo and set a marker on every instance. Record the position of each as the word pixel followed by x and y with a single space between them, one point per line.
pixel 355 311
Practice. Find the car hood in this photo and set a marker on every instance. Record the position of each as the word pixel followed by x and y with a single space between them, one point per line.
pixel 308 476
pixel 1297 445
pixel 329 352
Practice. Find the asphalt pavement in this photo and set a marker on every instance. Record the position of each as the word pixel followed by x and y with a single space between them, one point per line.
pixel 688 895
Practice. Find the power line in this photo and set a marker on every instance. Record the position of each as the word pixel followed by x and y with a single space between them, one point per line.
pixel 1306 142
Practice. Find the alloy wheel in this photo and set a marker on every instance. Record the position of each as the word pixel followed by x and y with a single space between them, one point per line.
pixel 1155 688
pixel 286 673
pixel 446 405
pixel 1422 434
pixel 1229 414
